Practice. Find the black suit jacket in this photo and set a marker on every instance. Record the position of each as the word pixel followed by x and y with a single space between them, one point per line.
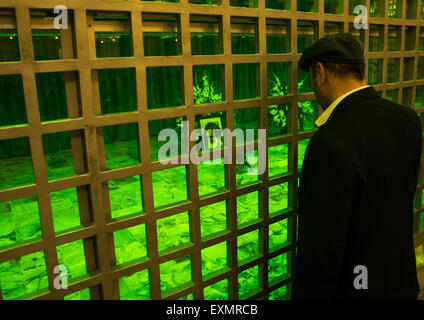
pixel 356 193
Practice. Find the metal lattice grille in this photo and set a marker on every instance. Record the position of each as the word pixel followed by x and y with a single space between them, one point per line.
pixel 85 172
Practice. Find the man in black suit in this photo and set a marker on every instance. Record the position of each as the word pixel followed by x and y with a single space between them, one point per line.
pixel 357 184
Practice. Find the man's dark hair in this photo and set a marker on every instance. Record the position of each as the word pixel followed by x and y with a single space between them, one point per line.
pixel 341 69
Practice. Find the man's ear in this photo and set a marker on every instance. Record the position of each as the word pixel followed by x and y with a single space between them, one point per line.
pixel 321 74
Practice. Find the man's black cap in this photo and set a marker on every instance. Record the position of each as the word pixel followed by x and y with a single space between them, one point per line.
pixel 337 48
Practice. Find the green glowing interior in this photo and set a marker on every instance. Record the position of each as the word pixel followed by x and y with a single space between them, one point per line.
pixel 20 218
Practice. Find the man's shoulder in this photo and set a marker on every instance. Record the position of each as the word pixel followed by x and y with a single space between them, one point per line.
pixel 366 123
pixel 392 108
pixel 363 114
pixel 400 117
pixel 398 107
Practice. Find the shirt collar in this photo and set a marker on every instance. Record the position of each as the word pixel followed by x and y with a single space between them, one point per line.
pixel 327 112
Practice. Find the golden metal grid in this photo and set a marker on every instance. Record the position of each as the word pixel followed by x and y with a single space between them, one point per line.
pixel 97 232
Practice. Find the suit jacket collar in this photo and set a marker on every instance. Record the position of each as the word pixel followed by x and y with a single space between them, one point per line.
pixel 359 96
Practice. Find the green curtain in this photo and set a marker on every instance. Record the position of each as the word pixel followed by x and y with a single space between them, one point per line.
pixel 421 42
pixel 304 41
pixel 244 80
pixel 420 71
pixel 47 44
pixel 50 91
pixel 243 43
pixel 210 2
pixel 51 94
pixel 333 6
pixel 9 46
pixel 246 119
pixel 117 90
pixel 164 87
pixel 204 43
pixel 244 3
pixel 12 102
pixel 422 10
pixel 113 44
pixel 161 44
pixel 277 43
pixel 244 75
pixel 121 133
pixel 54 142
pixel 12 111
pixel 305 5
pixel 278 4
pixel 304 82
pixel 14 148
pixel 116 86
